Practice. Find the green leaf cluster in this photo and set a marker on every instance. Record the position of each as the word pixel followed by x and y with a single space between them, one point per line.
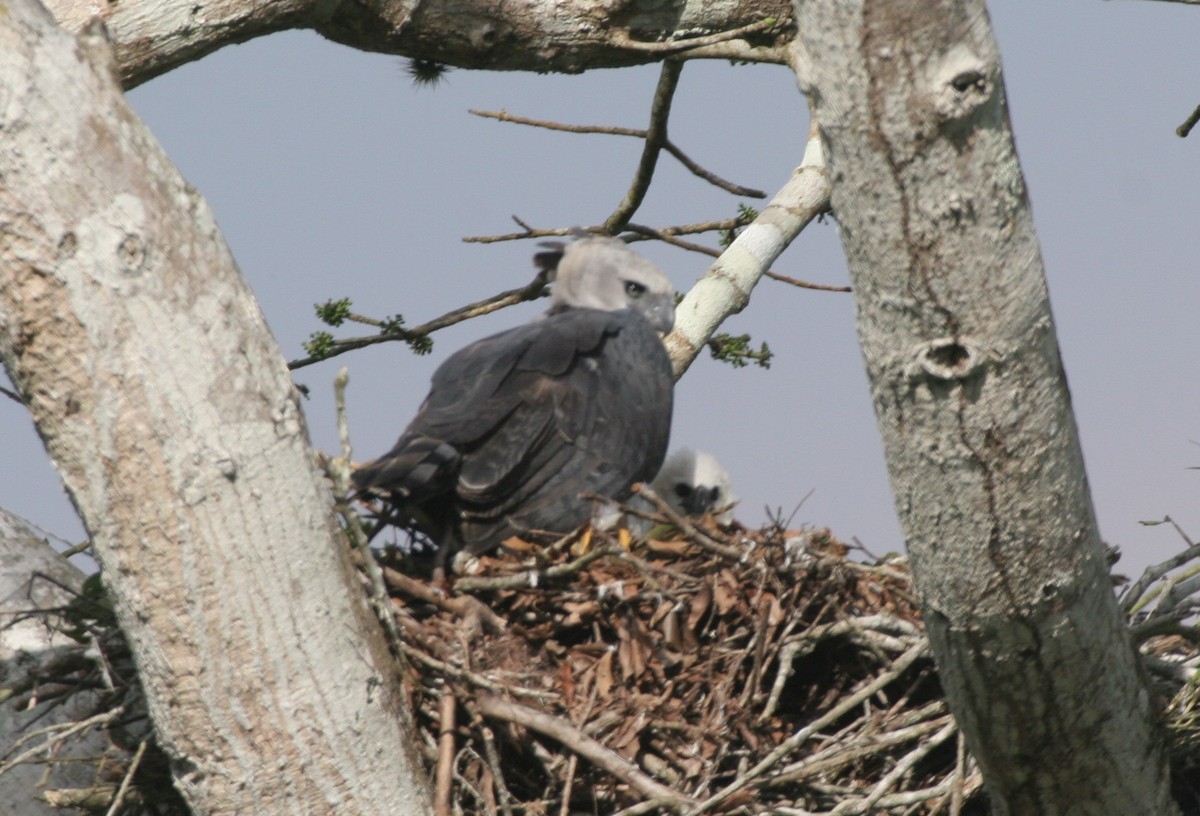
pixel 737 351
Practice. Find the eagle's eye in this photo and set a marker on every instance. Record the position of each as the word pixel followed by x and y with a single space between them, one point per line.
pixel 634 289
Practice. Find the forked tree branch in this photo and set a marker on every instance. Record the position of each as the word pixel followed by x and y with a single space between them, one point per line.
pixel 612 130
pixel 656 137
pixel 511 297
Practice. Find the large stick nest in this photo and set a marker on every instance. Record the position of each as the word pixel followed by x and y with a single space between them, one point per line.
pixel 707 671
pixel 714 672
pixel 698 671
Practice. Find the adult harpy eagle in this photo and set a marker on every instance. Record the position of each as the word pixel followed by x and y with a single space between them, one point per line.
pixel 517 425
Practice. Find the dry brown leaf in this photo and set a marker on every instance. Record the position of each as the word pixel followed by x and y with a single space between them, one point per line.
pixel 675 547
pixel 578 612
pixel 604 676
pixel 775 613
pixel 727 592
pixel 518 545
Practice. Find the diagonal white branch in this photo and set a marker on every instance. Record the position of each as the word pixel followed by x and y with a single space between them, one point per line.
pixel 725 288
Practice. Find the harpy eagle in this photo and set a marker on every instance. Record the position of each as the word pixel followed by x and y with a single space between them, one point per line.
pixel 517 425
pixel 695 483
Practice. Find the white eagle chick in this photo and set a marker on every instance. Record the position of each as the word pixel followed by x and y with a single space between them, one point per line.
pixel 695 483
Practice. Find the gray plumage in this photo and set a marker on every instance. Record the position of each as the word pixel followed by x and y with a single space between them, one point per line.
pixel 695 483
pixel 517 425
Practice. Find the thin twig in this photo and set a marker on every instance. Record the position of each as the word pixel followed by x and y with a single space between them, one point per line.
pixel 464 606
pixel 1132 600
pixel 614 130
pixel 511 297
pixel 641 808
pixel 56 735
pixel 568 784
pixel 528 231
pixel 530 578
pixel 594 752
pixel 12 395
pixel 444 775
pixel 690 531
pixel 339 471
pixel 803 284
pixel 493 759
pixel 76 549
pixel 127 779
pixel 667 236
pixel 850 749
pixel 1183 130
pixel 786 661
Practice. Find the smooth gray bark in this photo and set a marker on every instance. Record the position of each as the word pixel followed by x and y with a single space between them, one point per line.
pixel 167 407
pixel 972 404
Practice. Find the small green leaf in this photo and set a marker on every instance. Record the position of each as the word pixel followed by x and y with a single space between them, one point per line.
pixel 333 312
pixel 319 344
pixel 420 343
pixel 736 351
pixel 745 215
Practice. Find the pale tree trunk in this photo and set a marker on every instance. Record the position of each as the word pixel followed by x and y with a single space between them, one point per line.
pixel 154 36
pixel 973 408
pixel 167 408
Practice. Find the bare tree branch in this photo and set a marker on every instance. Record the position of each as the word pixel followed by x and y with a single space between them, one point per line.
pixel 153 36
pixel 613 130
pixel 803 284
pixel 667 236
pixel 659 233
pixel 532 291
pixel 1183 130
pixel 656 135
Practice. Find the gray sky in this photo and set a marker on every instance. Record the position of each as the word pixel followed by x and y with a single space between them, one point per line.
pixel 332 176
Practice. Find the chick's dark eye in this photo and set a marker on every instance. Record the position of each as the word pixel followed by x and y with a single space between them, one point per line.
pixel 683 490
pixel 634 289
